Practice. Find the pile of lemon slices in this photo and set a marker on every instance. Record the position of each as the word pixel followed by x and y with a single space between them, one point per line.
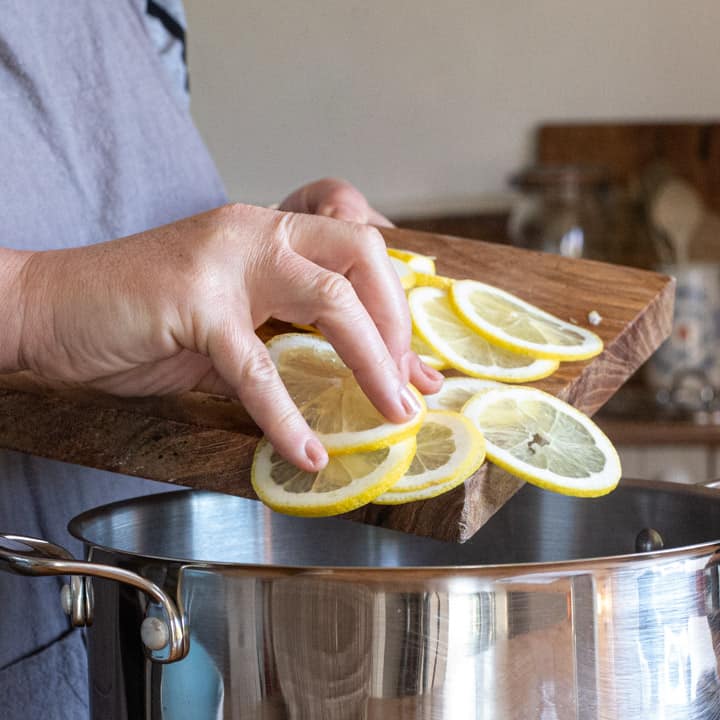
pixel 497 341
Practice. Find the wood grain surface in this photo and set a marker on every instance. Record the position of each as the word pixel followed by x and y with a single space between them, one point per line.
pixel 207 442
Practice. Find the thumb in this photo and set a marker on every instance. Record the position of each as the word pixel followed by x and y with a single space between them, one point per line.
pixel 349 212
pixel 332 198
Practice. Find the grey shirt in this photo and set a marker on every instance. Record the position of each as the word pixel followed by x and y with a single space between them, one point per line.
pixel 96 142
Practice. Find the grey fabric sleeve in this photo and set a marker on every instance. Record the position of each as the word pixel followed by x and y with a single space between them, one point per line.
pixel 166 23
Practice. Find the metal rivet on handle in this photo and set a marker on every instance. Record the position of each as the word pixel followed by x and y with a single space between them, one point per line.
pixel 155 633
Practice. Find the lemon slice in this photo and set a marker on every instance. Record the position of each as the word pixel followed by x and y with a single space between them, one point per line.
pixel 347 482
pixel 438 281
pixel 417 345
pixel 456 391
pixel 435 320
pixel 404 272
pixel 545 441
pixel 400 498
pixel 426 354
pixel 329 398
pixel 516 325
pixel 448 445
pixel 307 328
pixel 417 262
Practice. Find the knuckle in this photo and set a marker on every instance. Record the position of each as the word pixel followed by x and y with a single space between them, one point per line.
pixel 235 212
pixel 228 223
pixel 371 239
pixel 258 370
pixel 285 421
pixel 334 289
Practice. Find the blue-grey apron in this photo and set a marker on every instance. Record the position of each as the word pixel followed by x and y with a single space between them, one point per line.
pixel 96 142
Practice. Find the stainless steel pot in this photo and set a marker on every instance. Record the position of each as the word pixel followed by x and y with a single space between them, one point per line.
pixel 549 613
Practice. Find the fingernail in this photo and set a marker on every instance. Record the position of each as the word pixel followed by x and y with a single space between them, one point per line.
pixel 409 402
pixel 315 453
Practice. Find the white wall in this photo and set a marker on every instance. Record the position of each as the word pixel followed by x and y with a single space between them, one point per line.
pixel 429 105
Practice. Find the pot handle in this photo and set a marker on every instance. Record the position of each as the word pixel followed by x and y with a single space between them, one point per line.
pixel 44 558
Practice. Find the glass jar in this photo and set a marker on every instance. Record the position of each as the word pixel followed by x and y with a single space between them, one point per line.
pixel 559 209
pixel 577 211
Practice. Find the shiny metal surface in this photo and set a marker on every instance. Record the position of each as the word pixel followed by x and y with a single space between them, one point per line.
pixel 511 626
pixel 44 558
pixel 536 526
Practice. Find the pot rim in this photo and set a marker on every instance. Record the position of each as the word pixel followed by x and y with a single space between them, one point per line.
pixel 572 566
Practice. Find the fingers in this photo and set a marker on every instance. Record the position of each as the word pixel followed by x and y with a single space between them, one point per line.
pixel 336 199
pixel 244 363
pixel 375 218
pixel 359 253
pixel 328 300
pixel 424 378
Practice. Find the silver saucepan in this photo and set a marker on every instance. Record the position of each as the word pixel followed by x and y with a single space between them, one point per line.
pixel 205 606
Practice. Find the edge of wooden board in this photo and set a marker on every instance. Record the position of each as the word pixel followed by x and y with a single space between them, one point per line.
pixel 207 442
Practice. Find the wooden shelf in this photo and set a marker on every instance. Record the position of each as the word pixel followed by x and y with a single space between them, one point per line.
pixel 632 417
pixel 653 431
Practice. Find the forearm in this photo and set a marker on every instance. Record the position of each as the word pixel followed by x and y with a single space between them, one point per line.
pixel 12 307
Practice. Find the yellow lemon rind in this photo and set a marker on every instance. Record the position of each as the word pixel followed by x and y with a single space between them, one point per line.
pixel 536 370
pixel 596 485
pixel 561 488
pixel 402 498
pixel 433 362
pixel 334 502
pixel 478 385
pixel 592 346
pixel 405 273
pixel 335 445
pixel 472 460
pixel 419 263
pixel 437 281
pixel 340 443
pixel 307 328
pixel 476 371
pixel 423 350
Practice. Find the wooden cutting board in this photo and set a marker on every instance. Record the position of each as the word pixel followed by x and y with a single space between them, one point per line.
pixel 207 442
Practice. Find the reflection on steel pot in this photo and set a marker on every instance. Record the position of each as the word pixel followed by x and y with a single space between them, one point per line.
pixel 548 613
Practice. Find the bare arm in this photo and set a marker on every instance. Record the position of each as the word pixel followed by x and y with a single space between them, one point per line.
pixel 175 308
pixel 12 263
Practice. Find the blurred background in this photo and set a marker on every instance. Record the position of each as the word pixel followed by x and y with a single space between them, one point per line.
pixel 429 106
pixel 586 129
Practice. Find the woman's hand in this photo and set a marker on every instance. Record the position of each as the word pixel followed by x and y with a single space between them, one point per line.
pixel 336 199
pixel 175 308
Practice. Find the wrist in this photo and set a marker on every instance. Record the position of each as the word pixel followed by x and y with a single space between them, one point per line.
pixel 12 307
